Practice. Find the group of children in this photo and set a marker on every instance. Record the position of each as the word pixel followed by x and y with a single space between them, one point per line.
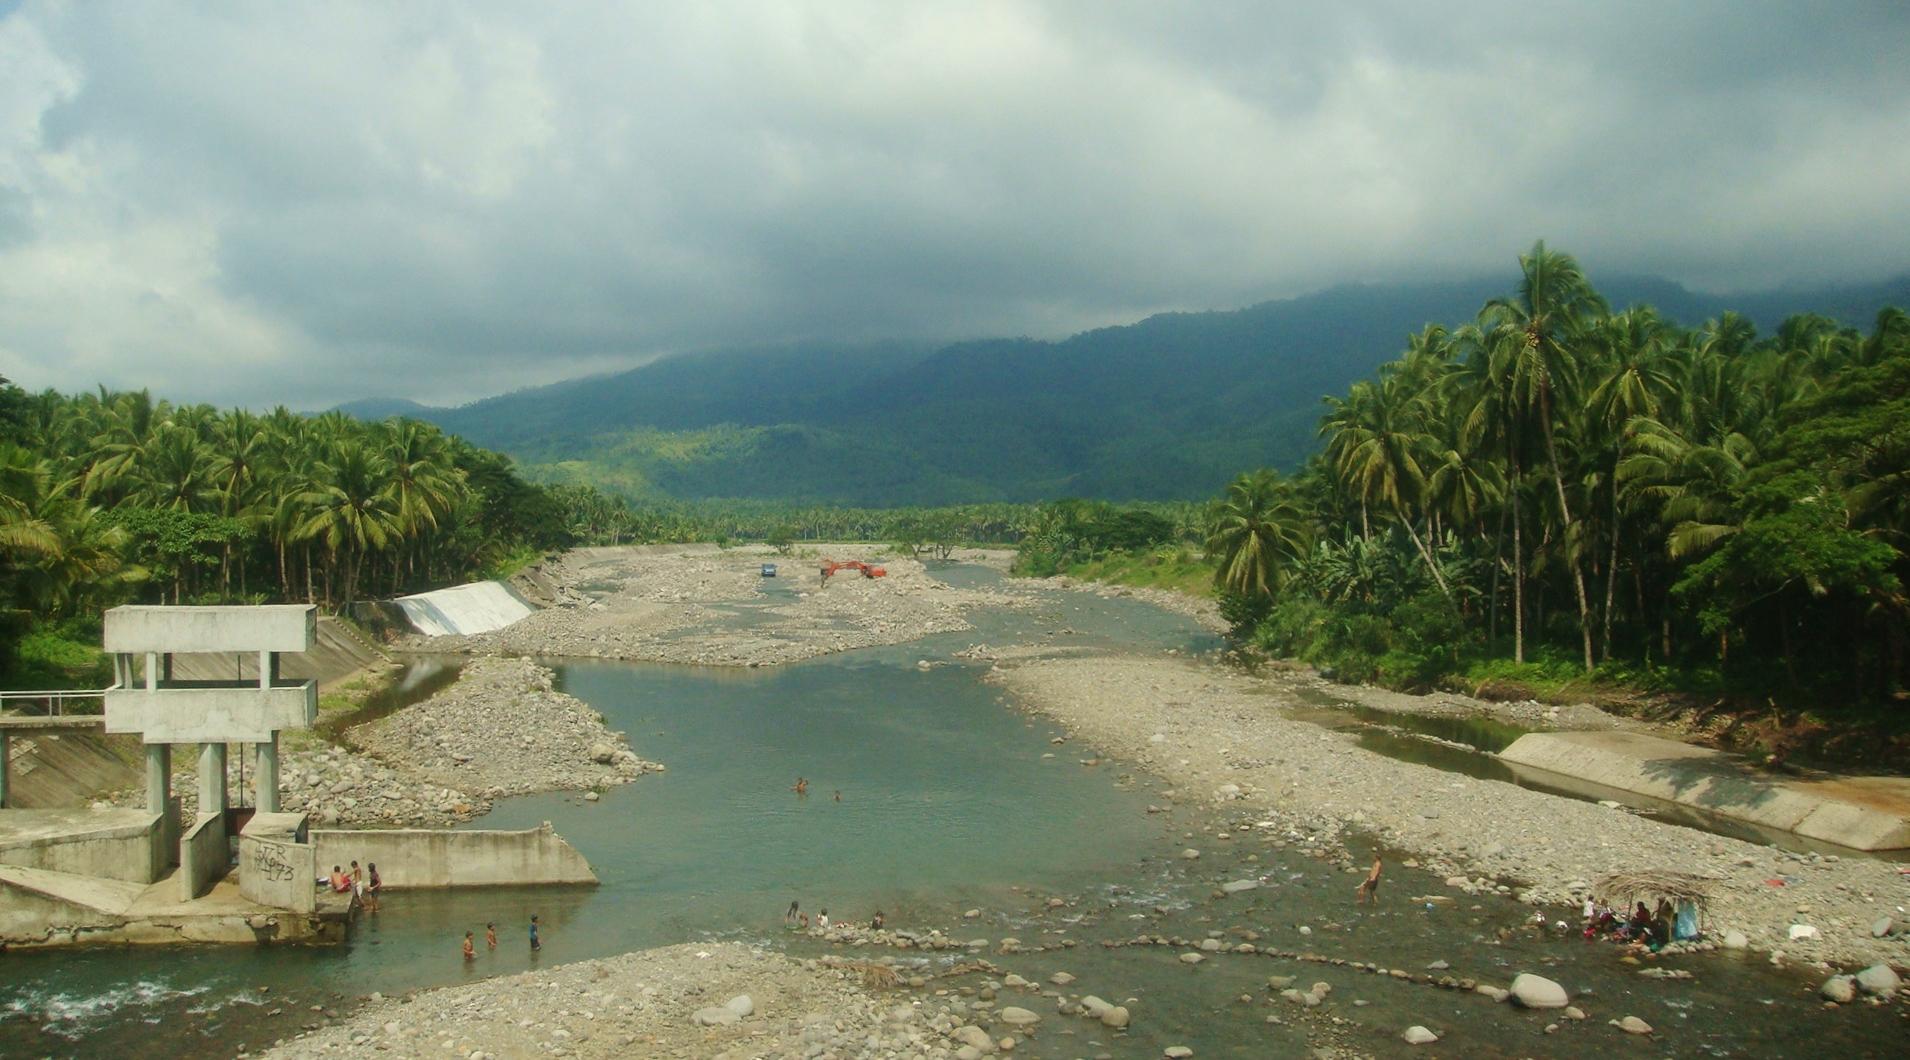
pixel 362 884
pixel 797 920
pixel 490 939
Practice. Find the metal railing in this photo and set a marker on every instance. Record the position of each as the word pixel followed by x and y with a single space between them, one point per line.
pixel 55 703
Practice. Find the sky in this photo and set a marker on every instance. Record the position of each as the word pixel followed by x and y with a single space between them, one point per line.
pixel 308 203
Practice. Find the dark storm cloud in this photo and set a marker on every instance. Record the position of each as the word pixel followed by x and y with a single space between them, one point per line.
pixel 267 204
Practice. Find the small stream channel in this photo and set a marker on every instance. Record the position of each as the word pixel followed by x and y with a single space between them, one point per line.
pixel 950 801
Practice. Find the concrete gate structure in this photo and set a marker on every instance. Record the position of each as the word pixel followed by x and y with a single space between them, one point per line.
pixel 165 712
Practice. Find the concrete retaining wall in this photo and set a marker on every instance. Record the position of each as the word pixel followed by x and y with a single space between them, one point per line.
pixel 204 856
pixel 278 873
pixel 127 848
pixel 478 607
pixel 1864 813
pixel 337 653
pixel 426 857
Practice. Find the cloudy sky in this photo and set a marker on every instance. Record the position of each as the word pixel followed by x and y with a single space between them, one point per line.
pixel 305 203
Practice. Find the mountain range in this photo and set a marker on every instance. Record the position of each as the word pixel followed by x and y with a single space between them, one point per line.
pixel 1170 407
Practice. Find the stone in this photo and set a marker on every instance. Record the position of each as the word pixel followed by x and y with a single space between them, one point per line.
pixel 1190 854
pixel 1279 982
pixel 976 1038
pixel 1115 1016
pixel 1019 1017
pixel 1573 1012
pixel 1735 940
pixel 591 796
pixel 1536 991
pixel 1061 979
pixel 714 1017
pixel 1879 979
pixel 741 1004
pixel 1191 958
pixel 1227 791
pixel 1094 1006
pixel 1804 931
pixel 1493 992
pixel 1236 886
pixel 1883 928
pixel 1417 1035
pixel 1634 1025
pixel 1839 988
pixel 1177 1052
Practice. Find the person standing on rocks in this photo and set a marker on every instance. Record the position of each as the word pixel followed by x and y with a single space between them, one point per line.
pixel 536 943
pixel 1369 888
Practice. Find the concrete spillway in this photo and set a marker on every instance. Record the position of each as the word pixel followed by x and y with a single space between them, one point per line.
pixel 478 607
pixel 1866 813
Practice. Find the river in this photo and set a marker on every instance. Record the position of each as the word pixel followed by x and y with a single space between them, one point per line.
pixel 949 801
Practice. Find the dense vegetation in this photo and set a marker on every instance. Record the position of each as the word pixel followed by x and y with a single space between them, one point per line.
pixel 111 497
pixel 1556 481
pixel 1168 408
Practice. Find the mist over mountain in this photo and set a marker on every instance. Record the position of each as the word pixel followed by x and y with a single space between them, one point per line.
pixel 1169 407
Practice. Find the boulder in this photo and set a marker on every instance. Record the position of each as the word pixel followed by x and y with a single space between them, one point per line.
pixel 1878 979
pixel 1735 940
pixel 741 1004
pixel 1536 991
pixel 602 753
pixel 1094 1006
pixel 1883 928
pixel 976 1038
pixel 1634 1025
pixel 1839 988
pixel 1417 1035
pixel 1114 1016
pixel 714 1017
pixel 1019 1017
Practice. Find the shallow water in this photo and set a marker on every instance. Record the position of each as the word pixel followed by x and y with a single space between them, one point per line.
pixel 950 801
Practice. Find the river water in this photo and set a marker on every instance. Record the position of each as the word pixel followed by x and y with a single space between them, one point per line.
pixel 950 801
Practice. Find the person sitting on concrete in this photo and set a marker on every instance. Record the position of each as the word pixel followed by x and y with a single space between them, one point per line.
pixel 341 882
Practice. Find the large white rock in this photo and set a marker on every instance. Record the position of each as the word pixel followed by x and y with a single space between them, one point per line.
pixel 1417 1035
pixel 1634 1025
pixel 1536 991
pixel 1114 1016
pixel 1839 988
pixel 741 1004
pixel 1879 979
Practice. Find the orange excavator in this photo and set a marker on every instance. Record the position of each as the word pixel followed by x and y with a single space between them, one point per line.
pixel 830 566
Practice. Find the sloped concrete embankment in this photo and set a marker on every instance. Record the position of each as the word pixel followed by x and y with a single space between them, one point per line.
pixel 417 858
pixel 1863 813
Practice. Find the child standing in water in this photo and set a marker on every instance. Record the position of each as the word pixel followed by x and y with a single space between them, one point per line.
pixel 536 943
pixel 1369 888
pixel 490 935
pixel 470 948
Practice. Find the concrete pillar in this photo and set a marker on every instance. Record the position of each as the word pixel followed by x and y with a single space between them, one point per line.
pixel 268 775
pixel 6 764
pixel 211 778
pixel 158 778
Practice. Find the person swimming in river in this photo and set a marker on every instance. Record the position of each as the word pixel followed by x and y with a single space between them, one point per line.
pixel 789 916
pixel 876 924
pixel 802 786
pixel 838 794
pixel 1369 887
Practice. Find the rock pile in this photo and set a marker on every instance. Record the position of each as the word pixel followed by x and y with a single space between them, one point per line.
pixel 503 730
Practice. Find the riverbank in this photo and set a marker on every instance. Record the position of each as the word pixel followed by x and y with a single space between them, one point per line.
pixel 1219 736
pixel 719 999
pixel 712 607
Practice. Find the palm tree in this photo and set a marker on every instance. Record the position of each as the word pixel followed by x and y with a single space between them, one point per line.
pixel 1551 310
pixel 1381 444
pixel 351 508
pixel 1257 533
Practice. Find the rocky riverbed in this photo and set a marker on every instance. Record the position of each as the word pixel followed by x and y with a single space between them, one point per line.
pixel 712 607
pixel 502 729
pixel 714 1000
pixel 1218 736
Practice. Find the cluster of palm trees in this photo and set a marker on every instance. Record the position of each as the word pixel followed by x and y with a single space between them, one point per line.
pixel 1556 458
pixel 105 489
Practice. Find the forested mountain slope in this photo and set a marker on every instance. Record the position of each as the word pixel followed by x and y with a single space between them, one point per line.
pixel 1169 407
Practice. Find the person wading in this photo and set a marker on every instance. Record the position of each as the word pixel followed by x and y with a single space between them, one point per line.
pixel 1369 887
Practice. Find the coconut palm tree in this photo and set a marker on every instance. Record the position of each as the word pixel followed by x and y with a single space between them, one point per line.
pixel 1257 534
